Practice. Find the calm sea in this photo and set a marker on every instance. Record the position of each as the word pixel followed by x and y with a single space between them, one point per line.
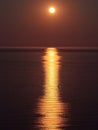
pixel 48 89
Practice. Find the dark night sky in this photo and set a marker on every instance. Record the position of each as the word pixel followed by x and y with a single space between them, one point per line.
pixel 28 23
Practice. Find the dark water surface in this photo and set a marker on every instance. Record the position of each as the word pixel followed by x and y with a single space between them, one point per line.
pixel 48 90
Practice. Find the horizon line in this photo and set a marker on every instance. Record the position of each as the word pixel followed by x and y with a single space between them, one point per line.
pixel 43 48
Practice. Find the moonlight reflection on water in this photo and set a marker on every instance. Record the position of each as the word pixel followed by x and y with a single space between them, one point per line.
pixel 52 110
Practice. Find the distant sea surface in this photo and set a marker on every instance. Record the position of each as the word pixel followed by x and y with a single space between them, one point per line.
pixel 48 89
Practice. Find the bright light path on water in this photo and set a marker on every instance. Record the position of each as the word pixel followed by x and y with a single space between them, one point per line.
pixel 50 105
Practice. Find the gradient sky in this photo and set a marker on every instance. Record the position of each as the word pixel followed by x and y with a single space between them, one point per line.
pixel 28 23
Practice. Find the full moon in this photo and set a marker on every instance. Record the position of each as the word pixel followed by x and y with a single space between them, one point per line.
pixel 52 10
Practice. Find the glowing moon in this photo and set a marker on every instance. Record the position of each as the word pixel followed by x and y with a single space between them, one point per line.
pixel 52 10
